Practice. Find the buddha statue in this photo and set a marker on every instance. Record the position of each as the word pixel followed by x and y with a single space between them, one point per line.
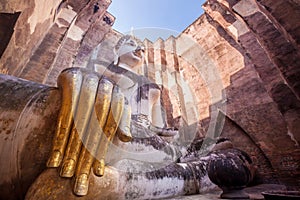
pixel 103 147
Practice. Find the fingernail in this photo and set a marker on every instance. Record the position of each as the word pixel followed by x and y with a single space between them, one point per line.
pixel 68 168
pixel 99 168
pixel 81 185
pixel 54 160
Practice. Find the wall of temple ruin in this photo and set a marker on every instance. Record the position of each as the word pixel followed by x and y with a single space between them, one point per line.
pixel 51 36
pixel 255 47
pixel 234 71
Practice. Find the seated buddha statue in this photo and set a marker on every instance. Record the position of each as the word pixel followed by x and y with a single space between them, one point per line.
pixel 103 146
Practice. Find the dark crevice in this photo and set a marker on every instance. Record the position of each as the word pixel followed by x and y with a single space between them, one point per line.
pixel 7 24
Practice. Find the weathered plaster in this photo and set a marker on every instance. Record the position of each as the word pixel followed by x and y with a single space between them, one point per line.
pixel 42 12
pixel 246 7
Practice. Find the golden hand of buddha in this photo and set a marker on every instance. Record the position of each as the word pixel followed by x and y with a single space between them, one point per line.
pixel 93 110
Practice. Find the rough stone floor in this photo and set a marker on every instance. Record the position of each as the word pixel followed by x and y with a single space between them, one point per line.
pixel 254 193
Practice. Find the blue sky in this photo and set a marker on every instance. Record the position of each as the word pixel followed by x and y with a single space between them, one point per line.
pixel 168 16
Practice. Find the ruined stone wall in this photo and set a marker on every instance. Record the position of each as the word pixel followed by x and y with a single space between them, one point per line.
pixel 255 47
pixel 31 26
pixel 51 36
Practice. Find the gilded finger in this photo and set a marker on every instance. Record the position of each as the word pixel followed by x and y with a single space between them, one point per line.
pixel 110 128
pixel 71 155
pixel 69 82
pixel 123 131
